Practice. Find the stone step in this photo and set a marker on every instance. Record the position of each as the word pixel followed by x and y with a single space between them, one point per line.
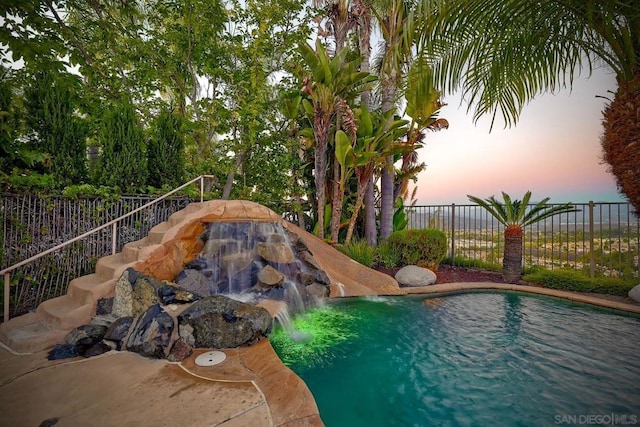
pixel 90 288
pixel 27 334
pixel 178 217
pixel 157 233
pixel 112 266
pixel 64 313
pixel 131 250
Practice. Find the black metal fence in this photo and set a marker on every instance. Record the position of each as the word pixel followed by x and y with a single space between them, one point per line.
pixel 32 224
pixel 601 238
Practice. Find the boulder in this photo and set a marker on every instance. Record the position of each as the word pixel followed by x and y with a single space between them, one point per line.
pixel 269 277
pixel 85 337
pixel 220 322
pixel 412 275
pixel 634 293
pixel 63 351
pixel 195 281
pixel 86 334
pixel 179 351
pixel 276 252
pixel 169 293
pixel 144 294
pixel 151 336
pixel 118 331
pixel 104 306
pixel 122 302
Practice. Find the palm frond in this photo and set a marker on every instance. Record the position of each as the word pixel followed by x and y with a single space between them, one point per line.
pixel 518 212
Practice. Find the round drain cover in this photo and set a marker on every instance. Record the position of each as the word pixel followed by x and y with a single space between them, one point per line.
pixel 210 358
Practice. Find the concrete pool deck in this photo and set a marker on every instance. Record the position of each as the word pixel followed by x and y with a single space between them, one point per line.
pixel 251 387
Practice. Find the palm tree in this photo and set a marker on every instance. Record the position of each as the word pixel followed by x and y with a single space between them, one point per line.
pixel 396 21
pixel 515 215
pixel 502 53
pixel 328 83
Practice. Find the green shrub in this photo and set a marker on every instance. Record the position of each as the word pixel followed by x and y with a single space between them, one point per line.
pixel 360 251
pixel 27 182
pixel 165 152
pixel 388 256
pixel 88 190
pixel 574 280
pixel 424 247
pixel 472 263
pixel 122 162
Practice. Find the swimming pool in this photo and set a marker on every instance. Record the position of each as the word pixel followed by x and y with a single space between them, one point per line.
pixel 474 359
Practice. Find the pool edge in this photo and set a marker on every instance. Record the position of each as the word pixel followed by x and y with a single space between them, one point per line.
pixel 463 287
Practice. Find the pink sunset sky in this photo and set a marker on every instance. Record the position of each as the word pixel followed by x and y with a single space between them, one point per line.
pixel 554 150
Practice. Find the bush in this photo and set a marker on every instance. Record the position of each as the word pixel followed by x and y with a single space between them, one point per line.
pixel 165 153
pixel 388 256
pixel 359 251
pixel 424 247
pixel 459 261
pixel 122 162
pixel 574 280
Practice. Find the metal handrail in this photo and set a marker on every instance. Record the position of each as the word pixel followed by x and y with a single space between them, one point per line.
pixel 113 223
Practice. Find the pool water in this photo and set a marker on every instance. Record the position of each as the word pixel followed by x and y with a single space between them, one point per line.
pixel 478 359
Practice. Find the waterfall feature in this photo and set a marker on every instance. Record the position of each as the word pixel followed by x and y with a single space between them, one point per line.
pixel 254 260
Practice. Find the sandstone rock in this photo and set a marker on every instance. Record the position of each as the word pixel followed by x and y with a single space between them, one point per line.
pixel 269 277
pixel 317 290
pixel 412 275
pixel 179 351
pixel 297 244
pixel 309 259
pixel 279 253
pixel 318 276
pixel 151 336
pixel 220 322
pixel 219 247
pixel 634 293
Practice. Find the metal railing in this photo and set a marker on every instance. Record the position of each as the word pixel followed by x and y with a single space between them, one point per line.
pixel 113 225
pixel 600 238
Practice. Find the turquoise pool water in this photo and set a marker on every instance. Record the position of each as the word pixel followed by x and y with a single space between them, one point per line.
pixel 478 359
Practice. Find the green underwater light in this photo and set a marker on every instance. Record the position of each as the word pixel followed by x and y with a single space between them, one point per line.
pixel 321 329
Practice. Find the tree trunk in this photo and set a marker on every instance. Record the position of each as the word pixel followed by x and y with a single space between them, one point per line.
pixel 389 90
pixel 228 185
pixel 386 201
pixel 336 202
pixel 370 227
pixel 321 128
pixel 621 138
pixel 512 262
pixel 363 15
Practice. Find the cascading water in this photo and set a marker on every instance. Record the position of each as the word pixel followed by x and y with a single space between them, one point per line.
pixel 253 260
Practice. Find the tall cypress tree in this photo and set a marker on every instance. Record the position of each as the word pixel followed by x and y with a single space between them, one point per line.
pixel 122 161
pixel 56 128
pixel 165 152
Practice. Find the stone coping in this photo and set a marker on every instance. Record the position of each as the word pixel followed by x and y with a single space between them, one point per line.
pixel 462 287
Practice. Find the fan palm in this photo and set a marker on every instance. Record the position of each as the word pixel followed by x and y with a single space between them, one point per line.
pixel 515 215
pixel 503 53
